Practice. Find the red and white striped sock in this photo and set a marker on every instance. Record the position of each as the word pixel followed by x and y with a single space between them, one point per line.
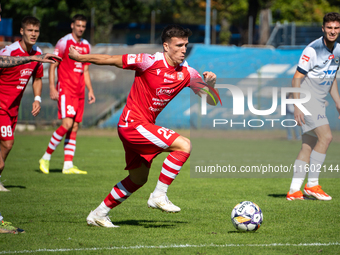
pixel 120 192
pixel 69 148
pixel 54 142
pixel 170 169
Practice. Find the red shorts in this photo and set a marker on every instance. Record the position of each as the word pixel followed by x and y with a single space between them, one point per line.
pixel 71 107
pixel 143 142
pixel 7 126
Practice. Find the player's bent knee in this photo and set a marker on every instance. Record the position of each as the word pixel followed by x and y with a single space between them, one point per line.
pixel 187 146
pixel 328 138
pixel 139 180
pixel 7 146
pixel 181 144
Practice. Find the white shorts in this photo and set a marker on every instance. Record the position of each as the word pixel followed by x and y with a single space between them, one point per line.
pixel 317 119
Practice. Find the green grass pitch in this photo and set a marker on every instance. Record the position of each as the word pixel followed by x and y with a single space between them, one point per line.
pixel 52 209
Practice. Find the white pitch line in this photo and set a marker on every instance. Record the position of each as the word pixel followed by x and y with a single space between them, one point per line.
pixel 171 246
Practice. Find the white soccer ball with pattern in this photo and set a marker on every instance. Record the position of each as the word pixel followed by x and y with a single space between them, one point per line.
pixel 246 216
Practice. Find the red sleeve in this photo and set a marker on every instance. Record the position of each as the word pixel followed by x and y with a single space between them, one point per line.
pixel 196 82
pixel 139 62
pixel 133 61
pixel 39 73
pixel 59 49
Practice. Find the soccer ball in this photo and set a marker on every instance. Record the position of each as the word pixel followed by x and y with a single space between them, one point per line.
pixel 246 216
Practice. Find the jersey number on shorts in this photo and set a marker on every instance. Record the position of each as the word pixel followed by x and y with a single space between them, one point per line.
pixel 167 133
pixel 6 131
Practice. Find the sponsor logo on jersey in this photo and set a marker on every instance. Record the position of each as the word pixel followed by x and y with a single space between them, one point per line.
pixel 305 58
pixel 79 49
pixel 139 58
pixel 331 56
pixel 23 81
pixel 133 58
pixel 321 116
pixel 168 81
pixel 158 71
pixel 20 87
pixel 164 91
pixel 26 71
pixel 84 50
pixel 170 76
pixel 155 109
pixel 180 76
pixel 78 67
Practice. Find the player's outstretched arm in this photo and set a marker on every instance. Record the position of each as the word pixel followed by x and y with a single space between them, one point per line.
pixel 46 58
pixel 210 79
pixel 98 59
pixel 9 61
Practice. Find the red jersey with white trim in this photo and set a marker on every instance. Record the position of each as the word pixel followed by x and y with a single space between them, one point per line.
pixel 70 73
pixel 13 80
pixel 156 84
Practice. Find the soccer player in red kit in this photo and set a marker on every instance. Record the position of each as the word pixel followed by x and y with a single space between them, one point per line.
pixel 7 61
pixel 73 76
pixel 13 82
pixel 158 79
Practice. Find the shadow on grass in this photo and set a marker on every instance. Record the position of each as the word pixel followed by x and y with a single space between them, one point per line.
pixel 55 170
pixel 15 186
pixel 277 195
pixel 150 223
pixel 284 196
pixel 241 232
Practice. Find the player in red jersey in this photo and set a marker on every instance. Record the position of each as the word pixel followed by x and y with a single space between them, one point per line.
pixel 6 62
pixel 158 79
pixel 73 76
pixel 19 56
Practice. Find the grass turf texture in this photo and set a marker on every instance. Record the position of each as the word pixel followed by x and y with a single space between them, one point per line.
pixel 52 209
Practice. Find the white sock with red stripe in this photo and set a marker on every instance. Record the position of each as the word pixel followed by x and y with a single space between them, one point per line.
pixel 120 192
pixel 69 149
pixel 54 142
pixel 170 169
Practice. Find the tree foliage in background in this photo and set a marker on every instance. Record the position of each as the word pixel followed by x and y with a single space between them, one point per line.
pixel 302 11
pixel 55 16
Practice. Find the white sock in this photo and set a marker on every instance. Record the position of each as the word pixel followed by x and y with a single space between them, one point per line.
pixel 46 156
pixel 68 164
pixel 298 177
pixel 160 190
pixel 316 161
pixel 1 218
pixel 102 210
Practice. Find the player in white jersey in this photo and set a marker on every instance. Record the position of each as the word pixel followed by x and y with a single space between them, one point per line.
pixel 316 72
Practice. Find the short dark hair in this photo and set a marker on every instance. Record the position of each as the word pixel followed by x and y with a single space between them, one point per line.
pixel 29 20
pixel 79 17
pixel 331 16
pixel 175 31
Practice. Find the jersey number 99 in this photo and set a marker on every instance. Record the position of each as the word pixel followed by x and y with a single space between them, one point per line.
pixel 6 131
